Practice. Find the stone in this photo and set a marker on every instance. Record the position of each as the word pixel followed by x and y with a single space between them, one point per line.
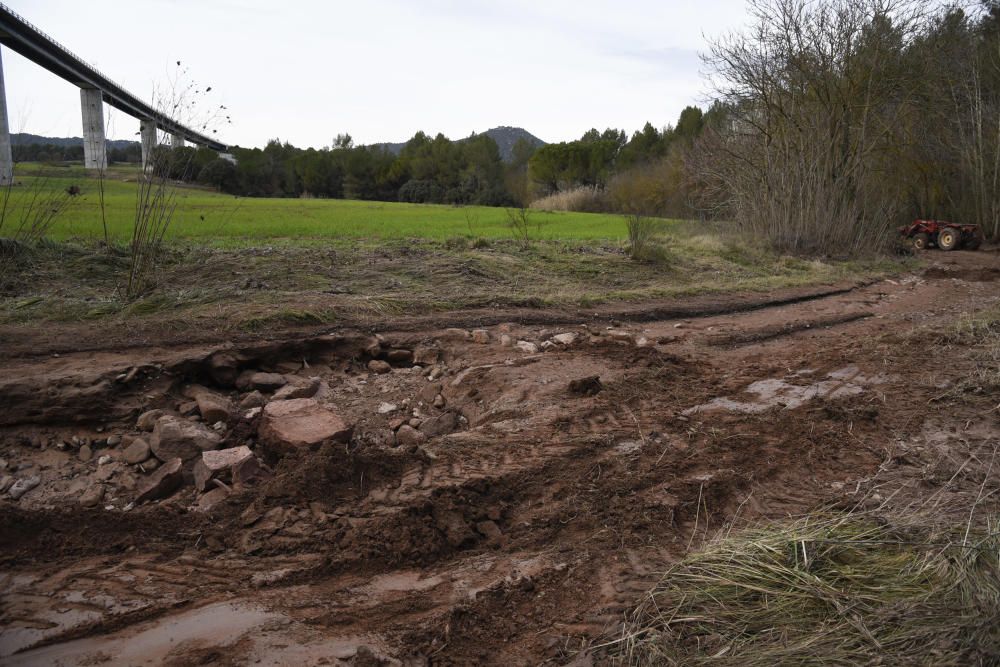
pixel 565 338
pixel 526 346
pixel 379 366
pixel 396 422
pixel 260 381
pixel 85 453
pixel 386 408
pixel 407 436
pixel 506 340
pixel 426 356
pixel 439 401
pixel 137 452
pixel 104 460
pixel 444 423
pixel 174 437
pixel 489 530
pixel 161 483
pixel 92 496
pixel 212 407
pixel 213 462
pixel 457 333
pixel 399 356
pixel 147 420
pixel 252 413
pixel 187 408
pixel 254 399
pixel 247 471
pixel 209 500
pixel 114 440
pixel 301 422
pixel 23 485
pixel 290 391
pixel 5 483
pixel 481 336
pixel 150 464
pixel 621 336
pixel 224 368
pixel 548 345
pixel 588 386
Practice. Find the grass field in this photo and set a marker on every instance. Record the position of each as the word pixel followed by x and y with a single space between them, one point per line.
pixel 217 219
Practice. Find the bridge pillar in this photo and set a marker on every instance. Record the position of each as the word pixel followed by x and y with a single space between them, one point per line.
pixel 147 132
pixel 95 148
pixel 6 159
pixel 177 141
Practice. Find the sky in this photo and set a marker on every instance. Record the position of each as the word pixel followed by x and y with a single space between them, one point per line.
pixel 304 71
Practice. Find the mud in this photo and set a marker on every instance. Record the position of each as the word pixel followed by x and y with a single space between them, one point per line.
pixel 492 505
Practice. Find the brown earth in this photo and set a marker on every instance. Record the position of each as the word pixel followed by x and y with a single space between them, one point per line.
pixel 525 509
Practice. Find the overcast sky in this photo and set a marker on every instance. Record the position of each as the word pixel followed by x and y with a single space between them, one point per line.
pixel 303 71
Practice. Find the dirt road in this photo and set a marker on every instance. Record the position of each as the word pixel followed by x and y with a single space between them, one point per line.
pixel 505 494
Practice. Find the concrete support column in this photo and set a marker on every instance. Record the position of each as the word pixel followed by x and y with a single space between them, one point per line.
pixel 177 141
pixel 147 132
pixel 95 147
pixel 6 159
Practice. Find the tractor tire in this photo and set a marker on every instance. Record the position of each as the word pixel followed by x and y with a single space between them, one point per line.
pixel 949 238
pixel 921 241
pixel 973 241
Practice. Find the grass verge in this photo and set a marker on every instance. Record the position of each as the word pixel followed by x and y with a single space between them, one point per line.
pixel 827 589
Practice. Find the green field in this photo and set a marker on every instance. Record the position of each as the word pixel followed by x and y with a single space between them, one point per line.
pixel 216 219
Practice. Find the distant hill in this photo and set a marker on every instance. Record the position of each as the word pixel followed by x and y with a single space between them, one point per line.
pixel 24 139
pixel 504 135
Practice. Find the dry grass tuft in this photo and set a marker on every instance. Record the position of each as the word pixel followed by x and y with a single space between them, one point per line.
pixel 830 589
pixel 582 199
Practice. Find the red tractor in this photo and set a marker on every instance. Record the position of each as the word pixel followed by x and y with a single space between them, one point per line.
pixel 945 235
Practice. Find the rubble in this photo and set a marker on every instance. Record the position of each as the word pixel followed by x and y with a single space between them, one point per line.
pixel 300 422
pixel 174 437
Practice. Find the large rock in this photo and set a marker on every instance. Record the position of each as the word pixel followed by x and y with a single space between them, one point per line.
pixel 212 406
pixel 426 356
pixel 137 452
pixel 147 420
pixel 257 380
pixel 23 485
pixel 301 422
pixel 174 437
pixel 212 463
pixel 298 388
pixel 161 483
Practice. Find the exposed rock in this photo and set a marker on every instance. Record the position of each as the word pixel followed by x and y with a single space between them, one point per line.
pixel 150 464
pixel 85 453
pixel 248 380
pixel 92 496
pixel 407 436
pixel 565 338
pixel 396 422
pixel 5 483
pixel 399 356
pixel 288 425
pixel 212 406
pixel 209 500
pixel 23 485
pixel 114 440
pixel 451 523
pixel 178 438
pixel 213 462
pixel 548 345
pixel 426 356
pixel 248 470
pixel 187 408
pixel 254 399
pixel 439 401
pixel 506 340
pixel 137 452
pixel 481 336
pixel 306 389
pixel 147 420
pixel 104 460
pixel 489 530
pixel 446 422
pixel 588 386
pixel 526 346
pixel 621 336
pixel 386 408
pixel 379 366
pixel 224 368
pixel 161 483
pixel 456 333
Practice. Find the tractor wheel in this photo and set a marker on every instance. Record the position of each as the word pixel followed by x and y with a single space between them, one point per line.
pixel 921 241
pixel 949 238
pixel 974 240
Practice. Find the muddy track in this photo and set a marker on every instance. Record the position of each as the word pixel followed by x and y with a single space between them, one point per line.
pixel 539 494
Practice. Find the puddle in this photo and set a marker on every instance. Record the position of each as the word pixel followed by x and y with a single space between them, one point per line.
pixel 215 624
pixel 774 392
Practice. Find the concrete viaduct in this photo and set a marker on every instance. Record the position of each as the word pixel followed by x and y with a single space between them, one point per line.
pixel 19 35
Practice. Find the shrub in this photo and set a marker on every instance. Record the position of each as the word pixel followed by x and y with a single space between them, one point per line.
pixel 582 199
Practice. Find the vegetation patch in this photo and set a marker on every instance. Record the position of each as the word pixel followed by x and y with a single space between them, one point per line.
pixel 827 589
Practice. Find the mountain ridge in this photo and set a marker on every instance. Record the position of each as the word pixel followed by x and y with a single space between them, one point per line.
pixel 505 136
